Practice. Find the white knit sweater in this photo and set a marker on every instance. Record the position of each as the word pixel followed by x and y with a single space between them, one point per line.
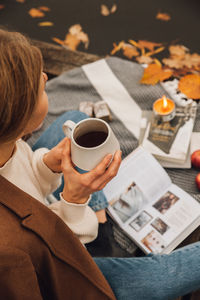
pixel 28 172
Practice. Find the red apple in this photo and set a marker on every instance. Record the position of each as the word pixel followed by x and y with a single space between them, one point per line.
pixel 195 159
pixel 197 179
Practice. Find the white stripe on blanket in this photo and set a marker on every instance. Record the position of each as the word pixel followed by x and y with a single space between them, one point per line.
pixel 114 93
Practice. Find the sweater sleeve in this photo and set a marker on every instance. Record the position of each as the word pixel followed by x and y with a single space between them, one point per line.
pixel 48 180
pixel 80 218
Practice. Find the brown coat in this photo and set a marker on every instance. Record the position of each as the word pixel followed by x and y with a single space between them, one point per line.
pixel 40 257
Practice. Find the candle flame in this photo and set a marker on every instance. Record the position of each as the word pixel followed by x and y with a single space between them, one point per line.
pixel 165 104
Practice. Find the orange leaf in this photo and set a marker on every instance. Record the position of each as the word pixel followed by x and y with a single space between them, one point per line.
pixel 58 41
pixel 158 50
pixel 117 47
pixel 44 8
pixel 20 1
pixel 45 24
pixel 190 86
pixel 71 41
pixel 163 16
pixel 2 6
pixel 148 45
pixel 36 13
pixel 74 38
pixel 154 73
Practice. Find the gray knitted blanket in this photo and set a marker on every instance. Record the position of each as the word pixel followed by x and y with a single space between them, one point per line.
pixel 66 91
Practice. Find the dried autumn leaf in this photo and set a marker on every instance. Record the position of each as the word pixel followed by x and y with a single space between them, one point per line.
pixel 181 72
pixel 129 50
pixel 148 45
pixel 113 9
pixel 36 13
pixel 2 6
pixel 163 16
pixel 181 61
pixel 76 31
pixel 173 63
pixel 191 60
pixel 117 47
pixel 177 50
pixel 74 38
pixel 158 50
pixel 105 10
pixel 190 86
pixel 20 1
pixel 45 24
pixel 144 59
pixel 71 41
pixel 44 8
pixel 154 73
pixel 58 41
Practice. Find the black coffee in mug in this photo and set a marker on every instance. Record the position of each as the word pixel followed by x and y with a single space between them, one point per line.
pixel 91 139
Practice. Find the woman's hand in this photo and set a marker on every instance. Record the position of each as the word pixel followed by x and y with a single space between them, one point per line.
pixel 53 158
pixel 78 187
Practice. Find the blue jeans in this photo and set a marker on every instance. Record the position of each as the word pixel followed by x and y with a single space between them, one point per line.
pixel 52 136
pixel 154 277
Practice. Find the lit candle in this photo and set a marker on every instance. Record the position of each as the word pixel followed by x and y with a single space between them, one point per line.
pixel 165 108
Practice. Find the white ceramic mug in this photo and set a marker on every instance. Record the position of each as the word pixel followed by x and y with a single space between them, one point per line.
pixel 84 157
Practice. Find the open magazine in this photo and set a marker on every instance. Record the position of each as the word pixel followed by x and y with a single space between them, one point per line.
pixel 155 213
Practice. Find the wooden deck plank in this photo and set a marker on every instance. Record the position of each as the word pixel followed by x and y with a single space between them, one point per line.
pixel 58 59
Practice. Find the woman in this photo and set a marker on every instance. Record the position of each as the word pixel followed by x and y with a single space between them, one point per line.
pixel 41 256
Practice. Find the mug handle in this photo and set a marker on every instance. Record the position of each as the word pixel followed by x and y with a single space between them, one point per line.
pixel 68 127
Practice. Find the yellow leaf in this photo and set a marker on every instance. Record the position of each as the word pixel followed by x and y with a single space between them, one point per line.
pixel 44 24
pixel 155 51
pixel 134 43
pixel 117 47
pixel 36 13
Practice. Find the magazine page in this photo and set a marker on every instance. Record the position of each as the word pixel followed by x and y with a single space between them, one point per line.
pixel 139 181
pixel 143 169
pixel 161 225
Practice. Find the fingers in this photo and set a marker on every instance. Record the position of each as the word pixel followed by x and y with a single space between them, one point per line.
pixel 99 170
pixel 112 170
pixel 101 181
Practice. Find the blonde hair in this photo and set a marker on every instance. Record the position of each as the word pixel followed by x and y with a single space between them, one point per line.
pixel 20 73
